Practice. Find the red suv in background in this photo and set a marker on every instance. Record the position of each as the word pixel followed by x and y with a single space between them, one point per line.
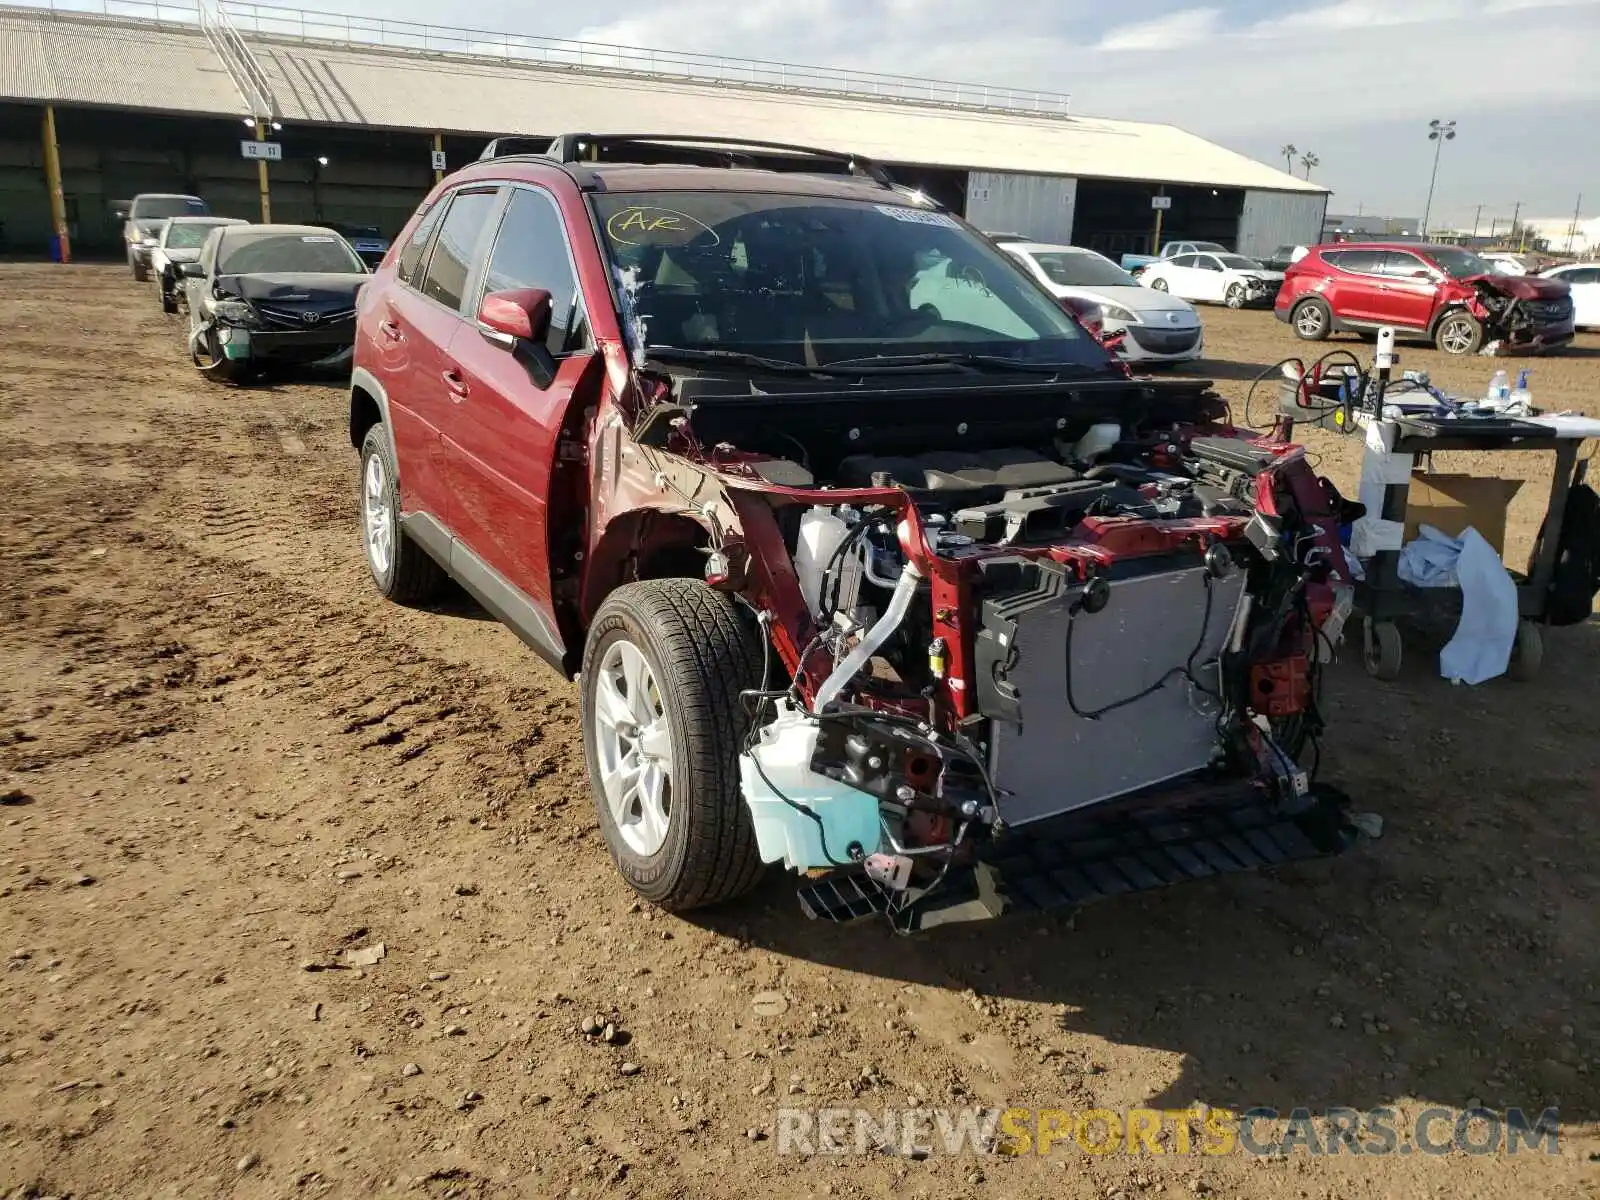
pixel 1445 294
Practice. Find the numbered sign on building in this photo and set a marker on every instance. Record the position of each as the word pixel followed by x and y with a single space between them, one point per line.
pixel 269 151
pixel 438 160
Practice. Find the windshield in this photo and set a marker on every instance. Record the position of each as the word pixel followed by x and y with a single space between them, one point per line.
pixel 151 208
pixel 1460 264
pixel 189 235
pixel 1238 262
pixel 308 253
pixel 1081 269
pixel 812 280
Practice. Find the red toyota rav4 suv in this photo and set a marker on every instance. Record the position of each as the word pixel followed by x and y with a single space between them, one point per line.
pixel 870 558
pixel 1445 294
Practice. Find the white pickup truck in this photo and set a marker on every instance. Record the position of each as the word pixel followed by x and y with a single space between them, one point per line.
pixel 1132 262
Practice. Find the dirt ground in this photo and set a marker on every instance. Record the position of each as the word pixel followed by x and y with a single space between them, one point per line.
pixel 224 762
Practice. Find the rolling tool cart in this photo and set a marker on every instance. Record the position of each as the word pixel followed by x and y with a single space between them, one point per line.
pixel 1404 420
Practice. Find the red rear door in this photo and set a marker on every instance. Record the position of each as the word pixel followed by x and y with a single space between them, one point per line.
pixel 501 445
pixel 1352 289
pixel 416 320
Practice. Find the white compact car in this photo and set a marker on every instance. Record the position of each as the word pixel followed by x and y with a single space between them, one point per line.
pixel 1584 280
pixel 1158 328
pixel 1230 279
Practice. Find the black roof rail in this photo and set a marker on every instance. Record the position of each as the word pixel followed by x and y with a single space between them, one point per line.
pixel 584 148
pixel 504 147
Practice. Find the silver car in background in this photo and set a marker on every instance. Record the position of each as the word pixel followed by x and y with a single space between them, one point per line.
pixel 1158 327
pixel 179 242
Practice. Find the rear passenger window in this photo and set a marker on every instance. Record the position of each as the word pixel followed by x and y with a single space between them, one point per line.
pixel 1362 262
pixel 531 252
pixel 411 256
pixel 455 249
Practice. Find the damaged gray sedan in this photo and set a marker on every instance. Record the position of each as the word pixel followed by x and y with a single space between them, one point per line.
pixel 272 295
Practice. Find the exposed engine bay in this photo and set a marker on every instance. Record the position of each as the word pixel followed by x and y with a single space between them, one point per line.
pixel 1011 639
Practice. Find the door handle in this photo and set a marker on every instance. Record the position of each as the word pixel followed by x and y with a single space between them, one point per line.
pixel 391 331
pixel 454 381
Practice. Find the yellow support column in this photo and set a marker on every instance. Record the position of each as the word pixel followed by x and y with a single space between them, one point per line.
pixel 261 169
pixel 438 148
pixel 52 177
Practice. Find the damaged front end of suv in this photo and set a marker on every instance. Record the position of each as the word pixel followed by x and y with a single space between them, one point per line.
pixel 1034 632
pixel 1517 313
pixel 1016 661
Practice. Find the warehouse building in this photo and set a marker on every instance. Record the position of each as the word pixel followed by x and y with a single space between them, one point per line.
pixel 360 109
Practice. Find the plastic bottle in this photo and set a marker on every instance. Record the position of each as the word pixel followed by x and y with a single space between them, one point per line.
pixel 1499 388
pixel 1522 394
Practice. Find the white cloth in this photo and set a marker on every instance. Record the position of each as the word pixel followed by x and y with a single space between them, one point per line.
pixel 1381 469
pixel 1481 647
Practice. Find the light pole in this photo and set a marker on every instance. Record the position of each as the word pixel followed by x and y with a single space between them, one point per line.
pixel 1439 132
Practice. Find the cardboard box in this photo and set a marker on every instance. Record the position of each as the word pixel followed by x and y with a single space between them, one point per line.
pixel 1450 503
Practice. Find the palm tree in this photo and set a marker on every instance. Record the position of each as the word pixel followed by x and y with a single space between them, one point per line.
pixel 1309 160
pixel 1288 151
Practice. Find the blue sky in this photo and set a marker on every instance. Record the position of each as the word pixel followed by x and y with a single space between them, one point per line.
pixel 1355 81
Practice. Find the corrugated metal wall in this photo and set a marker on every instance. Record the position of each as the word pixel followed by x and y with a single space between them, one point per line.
pixel 1039 206
pixel 1273 219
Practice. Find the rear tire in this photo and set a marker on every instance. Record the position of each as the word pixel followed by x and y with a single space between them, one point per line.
pixel 1459 334
pixel 1312 320
pixel 1384 655
pixel 169 298
pixel 401 570
pixel 1527 652
pixel 699 651
pixel 1158 285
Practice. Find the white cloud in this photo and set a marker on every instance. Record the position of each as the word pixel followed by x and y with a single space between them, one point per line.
pixel 1354 80
pixel 1171 32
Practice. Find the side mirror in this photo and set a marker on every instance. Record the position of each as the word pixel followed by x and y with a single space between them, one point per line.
pixel 192 270
pixel 519 321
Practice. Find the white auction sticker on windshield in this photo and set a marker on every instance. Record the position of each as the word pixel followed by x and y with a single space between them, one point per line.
pixel 917 216
pixel 310 237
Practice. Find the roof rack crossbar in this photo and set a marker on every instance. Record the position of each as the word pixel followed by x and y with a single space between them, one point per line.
pixel 585 147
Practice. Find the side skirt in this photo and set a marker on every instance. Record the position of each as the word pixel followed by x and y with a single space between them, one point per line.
pixel 499 597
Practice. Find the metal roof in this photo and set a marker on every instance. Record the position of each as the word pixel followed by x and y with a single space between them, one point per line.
pixel 170 66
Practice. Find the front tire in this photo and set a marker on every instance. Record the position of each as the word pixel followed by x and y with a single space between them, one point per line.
pixel 663 727
pixel 1459 334
pixel 1312 320
pixel 141 270
pixel 401 570
pixel 1235 297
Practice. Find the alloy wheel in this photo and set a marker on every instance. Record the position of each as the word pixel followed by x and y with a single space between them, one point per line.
pixel 378 514
pixel 1308 321
pixel 633 741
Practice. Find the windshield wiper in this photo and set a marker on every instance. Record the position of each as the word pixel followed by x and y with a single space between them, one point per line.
pixel 895 362
pixel 731 357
